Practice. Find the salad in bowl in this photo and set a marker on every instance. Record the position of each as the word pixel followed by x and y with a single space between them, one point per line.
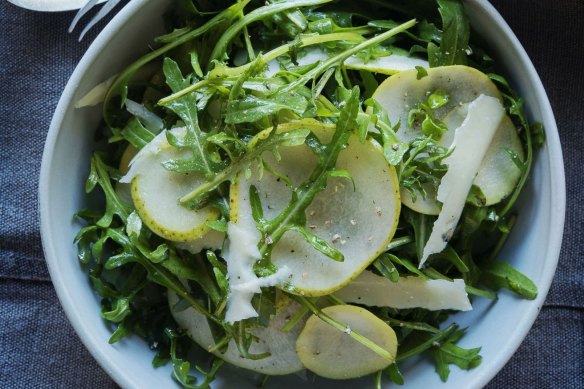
pixel 310 189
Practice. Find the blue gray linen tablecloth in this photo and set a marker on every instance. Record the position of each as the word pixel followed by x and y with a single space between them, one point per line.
pixel 38 347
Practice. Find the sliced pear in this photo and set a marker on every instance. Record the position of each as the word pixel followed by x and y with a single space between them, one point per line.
pixel 271 339
pixel 425 203
pixel 408 292
pixel 471 142
pixel 497 175
pixel 389 64
pixel 156 190
pixel 332 353
pixel 358 221
pixel 402 92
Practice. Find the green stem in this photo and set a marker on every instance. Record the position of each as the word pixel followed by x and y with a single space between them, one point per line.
pixel 398 242
pixel 172 283
pixel 503 238
pixel 339 58
pixel 225 340
pixel 416 326
pixel 428 343
pixel 293 321
pixel 197 85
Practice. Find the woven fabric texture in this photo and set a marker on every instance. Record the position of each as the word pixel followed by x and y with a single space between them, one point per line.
pixel 38 347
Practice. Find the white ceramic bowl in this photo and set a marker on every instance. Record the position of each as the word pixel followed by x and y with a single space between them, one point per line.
pixel 498 328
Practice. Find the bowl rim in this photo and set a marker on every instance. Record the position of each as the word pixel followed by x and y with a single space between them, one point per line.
pixel 558 196
pixel 122 376
pixel 95 348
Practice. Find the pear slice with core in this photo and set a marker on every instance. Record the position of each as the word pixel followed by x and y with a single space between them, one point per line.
pixel 332 353
pixel 271 339
pixel 156 192
pixel 358 220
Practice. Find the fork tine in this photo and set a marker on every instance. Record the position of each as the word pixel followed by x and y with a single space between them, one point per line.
pixel 89 5
pixel 107 7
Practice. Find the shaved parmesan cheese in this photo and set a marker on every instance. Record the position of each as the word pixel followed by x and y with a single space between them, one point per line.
pixel 96 95
pixel 409 292
pixel 240 253
pixel 471 142
pixel 153 148
pixel 150 120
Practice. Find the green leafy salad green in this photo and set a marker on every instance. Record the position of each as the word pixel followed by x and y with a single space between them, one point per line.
pixel 305 185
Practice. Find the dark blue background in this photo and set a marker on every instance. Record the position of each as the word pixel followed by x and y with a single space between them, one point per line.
pixel 38 347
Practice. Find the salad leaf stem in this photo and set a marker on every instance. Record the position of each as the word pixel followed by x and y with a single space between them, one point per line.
pixel 526 169
pixel 432 341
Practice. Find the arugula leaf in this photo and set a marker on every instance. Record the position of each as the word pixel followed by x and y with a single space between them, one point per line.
pixel 392 371
pixel 136 134
pixel 393 149
pixel 119 311
pixel 195 139
pixel 253 108
pixel 386 268
pixel 455 36
pixel 100 173
pixel 497 275
pixel 181 369
pixel 449 353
